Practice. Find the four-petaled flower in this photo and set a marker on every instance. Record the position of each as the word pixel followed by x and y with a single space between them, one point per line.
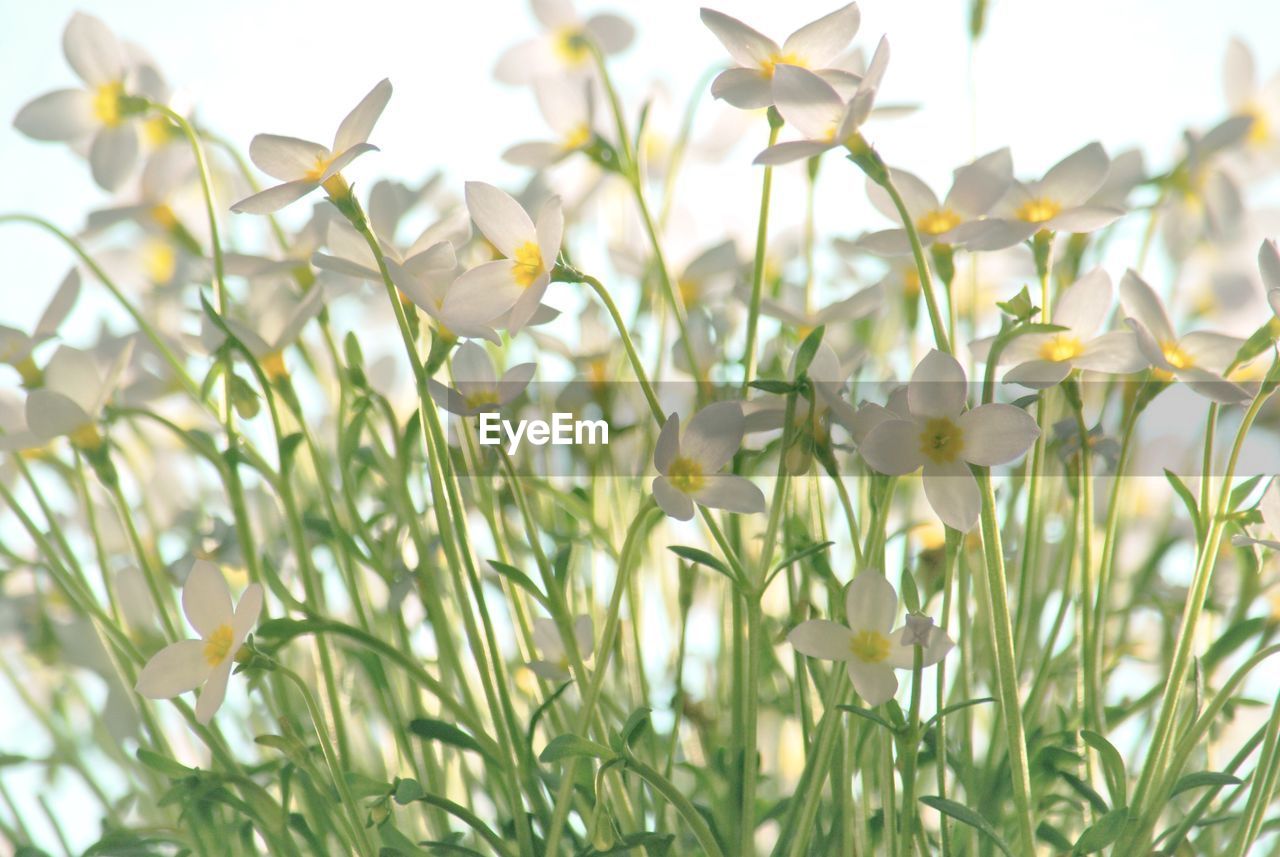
pixel 189 664
pixel 553 661
pixel 870 650
pixel 303 166
pixel 477 387
pixel 945 439
pixel 689 464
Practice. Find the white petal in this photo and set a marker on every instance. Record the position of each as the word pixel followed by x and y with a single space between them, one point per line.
pixel 744 88
pixel 358 124
pixel 1213 386
pixel 63 300
pixel 821 638
pixel 1140 302
pixel 1076 177
pixel 1273 297
pixel 1270 507
pixel 892 447
pixel 51 414
pixel 807 101
pixel 535 155
pixel 870 602
pixel 980 185
pixel 668 445
pixel 177 668
pixel 550 229
pixel 206 599
pixel 93 50
pixel 527 305
pixel 731 493
pixel 64 115
pixel 1084 218
pixel 875 683
pixel 472 368
pixel 1269 264
pixel 274 198
pixel 996 434
pixel 547 670
pixel 676 504
pixel 904 657
pixel 546 638
pixel 247 612
pixel 482 294
pixel 286 158
pixel 213 692
pixel 1038 374
pixel 793 150
pixel 345 157
pixel 612 33
pixel 1084 304
pixel 514 381
pixel 499 217
pixel 1212 351
pixel 713 435
pixel 953 493
pixel 113 154
pixel 747 47
pixel 991 234
pixel 1115 353
pixel 938 387
pixel 584 636
pixel 823 40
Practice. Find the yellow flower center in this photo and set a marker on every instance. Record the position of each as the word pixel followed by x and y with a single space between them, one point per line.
pixel 598 372
pixel 1038 210
pixel 86 437
pixel 163 215
pixel 941 440
pixel 1260 130
pixel 688 288
pixel 157 131
pixel 321 164
pixel 217 646
pixel 1177 358
pixel 159 261
pixel 570 46
pixel 686 475
pixel 938 221
pixel 106 103
pixel 527 264
pixel 911 282
pixel 32 377
pixel 870 647
pixel 577 137
pixel 767 68
pixel 481 399
pixel 1061 347
pixel 273 365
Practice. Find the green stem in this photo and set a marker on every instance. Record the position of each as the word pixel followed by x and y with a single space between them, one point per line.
pixel 757 265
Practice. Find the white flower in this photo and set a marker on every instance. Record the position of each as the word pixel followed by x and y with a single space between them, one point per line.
pixel 517 282
pixel 189 664
pixel 1247 97
pixel 816 109
pixel 562 48
pixel 817 45
pixel 1045 359
pixel 567 105
pixel 689 464
pixel 869 649
pixel 476 384
pixel 553 665
pixel 1269 267
pixel 275 317
pixel 303 166
pixel 977 187
pixel 1197 358
pixel 1204 203
pixel 74 393
pixel 1269 506
pixel 16 345
pixel 95 113
pixel 1056 203
pixel 945 439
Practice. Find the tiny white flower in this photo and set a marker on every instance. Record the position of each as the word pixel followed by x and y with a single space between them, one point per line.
pixel 815 108
pixel 16 345
pixel 275 319
pixel 94 114
pixel 1247 96
pixel 1197 359
pixel 514 284
pixel 303 166
pixel 562 49
pixel 1057 203
pixel 1044 359
pixel 1204 202
pixel 1269 267
pixel 75 391
pixel 553 661
pixel 976 188
pixel 189 664
pixel 477 387
pixel 690 464
pixel 817 46
pixel 870 650
pixel 944 439
pixel 568 106
pixel 917 631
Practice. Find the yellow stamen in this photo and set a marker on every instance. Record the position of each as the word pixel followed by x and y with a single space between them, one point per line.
pixel 159 261
pixel 106 103
pixel 86 437
pixel 527 264
pixel 1061 347
pixel 32 376
pixel 938 221
pixel 570 45
pixel 217 646
pixel 941 441
pixel 911 282
pixel 163 216
pixel 1177 358
pixel 578 136
pixel 481 399
pixel 273 365
pixel 870 647
pixel 157 131
pixel 1260 130
pixel 688 288
pixel 767 68
pixel 686 475
pixel 1038 210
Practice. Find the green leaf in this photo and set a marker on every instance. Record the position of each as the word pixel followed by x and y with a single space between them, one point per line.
pixel 868 714
pixel 780 388
pixel 542 709
pixel 1200 779
pixel 635 726
pixel 701 557
pixel 519 578
pixel 163 764
pixel 568 746
pixel 964 815
pixel 1103 832
pixel 430 729
pixel 1188 499
pixel 364 786
pixel 910 595
pixel 803 553
pixel 807 350
pixel 1112 766
pixel 1046 832
pixel 1233 638
pixel 1019 306
pixel 958 706
pixel 1243 490
pixel 289 448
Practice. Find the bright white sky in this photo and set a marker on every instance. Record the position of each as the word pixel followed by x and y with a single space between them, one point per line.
pixel 1051 77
